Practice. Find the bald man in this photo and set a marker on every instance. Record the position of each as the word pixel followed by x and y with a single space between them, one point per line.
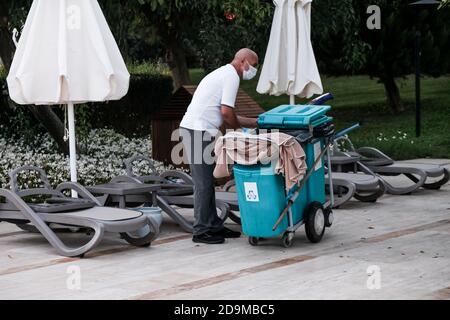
pixel 213 104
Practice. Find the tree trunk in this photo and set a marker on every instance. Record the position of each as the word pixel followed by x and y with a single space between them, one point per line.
pixel 54 126
pixel 45 116
pixel 6 44
pixel 393 95
pixel 176 59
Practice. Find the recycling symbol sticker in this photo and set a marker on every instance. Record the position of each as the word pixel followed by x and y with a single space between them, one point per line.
pixel 251 191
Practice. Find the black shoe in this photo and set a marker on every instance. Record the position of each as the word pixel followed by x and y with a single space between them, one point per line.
pixel 208 238
pixel 227 233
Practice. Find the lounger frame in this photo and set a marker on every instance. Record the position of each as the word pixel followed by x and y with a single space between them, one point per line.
pixel 15 210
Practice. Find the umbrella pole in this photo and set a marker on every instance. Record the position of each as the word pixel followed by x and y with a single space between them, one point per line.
pixel 72 146
pixel 292 99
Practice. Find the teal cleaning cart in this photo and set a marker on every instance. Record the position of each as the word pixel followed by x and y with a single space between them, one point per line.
pixel 267 209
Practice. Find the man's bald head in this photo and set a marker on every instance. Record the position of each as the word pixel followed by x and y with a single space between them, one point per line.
pixel 243 59
pixel 247 54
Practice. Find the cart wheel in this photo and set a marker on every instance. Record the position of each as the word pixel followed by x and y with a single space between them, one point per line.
pixel 287 239
pixel 235 218
pixel 253 241
pixel 329 218
pixel 315 222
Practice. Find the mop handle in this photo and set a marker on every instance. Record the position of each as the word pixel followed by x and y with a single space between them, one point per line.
pixel 344 132
pixel 302 184
pixel 322 99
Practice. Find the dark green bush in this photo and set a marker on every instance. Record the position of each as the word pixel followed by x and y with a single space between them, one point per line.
pixel 150 87
pixel 131 115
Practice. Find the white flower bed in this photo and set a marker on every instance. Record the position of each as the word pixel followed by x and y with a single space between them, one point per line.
pixel 101 161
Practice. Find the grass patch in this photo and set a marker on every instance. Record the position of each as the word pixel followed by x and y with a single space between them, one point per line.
pixel 148 68
pixel 361 99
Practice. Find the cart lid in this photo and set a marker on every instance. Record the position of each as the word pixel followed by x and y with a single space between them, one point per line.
pixel 294 116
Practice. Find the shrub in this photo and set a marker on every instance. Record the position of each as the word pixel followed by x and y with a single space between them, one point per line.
pixel 102 160
pixel 150 87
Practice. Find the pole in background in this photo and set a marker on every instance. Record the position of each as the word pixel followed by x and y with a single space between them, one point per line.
pixel 418 51
pixel 418 54
pixel 72 146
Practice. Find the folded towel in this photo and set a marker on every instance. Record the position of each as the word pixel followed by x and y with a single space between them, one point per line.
pixel 247 149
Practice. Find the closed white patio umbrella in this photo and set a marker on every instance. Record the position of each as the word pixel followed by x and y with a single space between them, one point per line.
pixel 67 55
pixel 289 65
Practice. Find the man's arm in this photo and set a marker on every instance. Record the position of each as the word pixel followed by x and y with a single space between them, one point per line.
pixel 248 122
pixel 229 117
pixel 237 122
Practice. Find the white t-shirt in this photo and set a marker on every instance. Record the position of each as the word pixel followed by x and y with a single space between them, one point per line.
pixel 220 87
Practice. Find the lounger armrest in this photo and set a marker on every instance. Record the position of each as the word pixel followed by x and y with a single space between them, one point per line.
pixel 82 191
pixel 151 178
pixel 11 197
pixel 119 179
pixel 363 168
pixel 373 153
pixel 346 140
pixel 178 174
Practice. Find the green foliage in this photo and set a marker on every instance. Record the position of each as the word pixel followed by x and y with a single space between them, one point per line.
pixel 344 44
pixel 392 53
pixel 219 39
pixel 444 3
pixel 13 118
pixel 150 87
pixel 202 29
pixel 17 11
pixel 132 114
pixel 131 30
pixel 148 68
pixel 335 37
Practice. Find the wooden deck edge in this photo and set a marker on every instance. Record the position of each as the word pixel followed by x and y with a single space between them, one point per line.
pixel 92 254
pixel 404 232
pixel 158 294
pixel 441 294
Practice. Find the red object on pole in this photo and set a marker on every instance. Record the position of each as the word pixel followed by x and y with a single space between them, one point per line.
pixel 230 16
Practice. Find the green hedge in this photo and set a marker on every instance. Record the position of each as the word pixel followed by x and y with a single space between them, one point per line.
pixel 150 87
pixel 131 115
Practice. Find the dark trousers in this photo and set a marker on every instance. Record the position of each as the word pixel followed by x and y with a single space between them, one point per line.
pixel 195 143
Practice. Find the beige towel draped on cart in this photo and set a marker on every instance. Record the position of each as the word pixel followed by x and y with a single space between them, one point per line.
pixel 247 149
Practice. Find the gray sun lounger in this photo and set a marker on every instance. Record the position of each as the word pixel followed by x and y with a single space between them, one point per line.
pixel 177 189
pixel 59 210
pixel 373 161
pixel 173 182
pixel 363 187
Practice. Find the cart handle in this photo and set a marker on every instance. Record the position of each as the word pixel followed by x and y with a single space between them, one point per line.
pixel 294 196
